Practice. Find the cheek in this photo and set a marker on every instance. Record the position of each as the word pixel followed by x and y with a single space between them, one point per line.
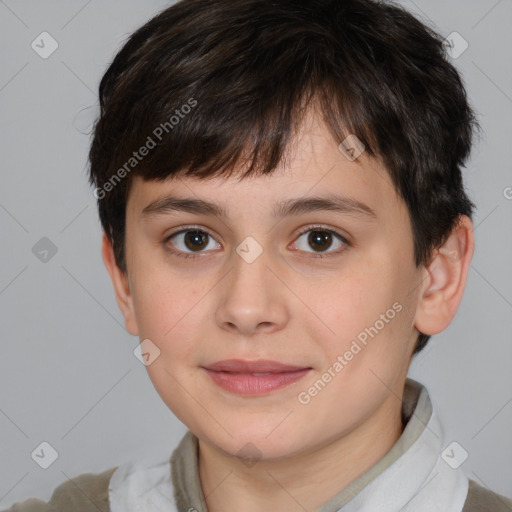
pixel 366 309
pixel 166 311
pixel 169 311
pixel 157 308
pixel 160 296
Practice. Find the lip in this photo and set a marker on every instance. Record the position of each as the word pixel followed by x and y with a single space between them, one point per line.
pixel 237 375
pixel 258 366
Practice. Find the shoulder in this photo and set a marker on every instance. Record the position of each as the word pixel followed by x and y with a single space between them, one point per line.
pixel 481 499
pixel 83 493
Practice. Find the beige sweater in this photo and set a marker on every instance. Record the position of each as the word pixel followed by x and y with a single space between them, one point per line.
pixel 92 496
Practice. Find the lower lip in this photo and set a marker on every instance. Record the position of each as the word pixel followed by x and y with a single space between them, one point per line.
pixel 248 384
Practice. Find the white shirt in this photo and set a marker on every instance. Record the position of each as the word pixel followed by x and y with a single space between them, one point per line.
pixel 418 474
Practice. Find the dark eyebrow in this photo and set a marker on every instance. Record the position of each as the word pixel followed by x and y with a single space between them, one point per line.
pixel 170 204
pixel 331 202
pixel 335 203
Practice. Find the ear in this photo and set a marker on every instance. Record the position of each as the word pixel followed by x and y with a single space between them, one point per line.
pixel 445 280
pixel 121 286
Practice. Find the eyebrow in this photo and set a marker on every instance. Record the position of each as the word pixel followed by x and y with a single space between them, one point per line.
pixel 331 202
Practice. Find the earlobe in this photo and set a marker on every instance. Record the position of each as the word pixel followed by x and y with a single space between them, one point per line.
pixel 121 286
pixel 445 280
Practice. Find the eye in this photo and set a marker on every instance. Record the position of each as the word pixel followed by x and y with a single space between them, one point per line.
pixel 189 239
pixel 321 239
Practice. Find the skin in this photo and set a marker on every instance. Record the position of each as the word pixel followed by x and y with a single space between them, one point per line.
pixel 288 306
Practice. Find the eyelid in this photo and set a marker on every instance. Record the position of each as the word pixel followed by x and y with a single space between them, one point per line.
pixel 190 227
pixel 321 227
pixel 184 229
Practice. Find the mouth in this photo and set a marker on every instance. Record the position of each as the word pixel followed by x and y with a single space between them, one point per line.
pixel 254 377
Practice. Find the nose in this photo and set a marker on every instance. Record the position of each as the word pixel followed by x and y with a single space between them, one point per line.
pixel 253 299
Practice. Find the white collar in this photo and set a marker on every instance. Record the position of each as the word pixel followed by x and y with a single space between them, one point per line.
pixel 142 486
pixel 412 477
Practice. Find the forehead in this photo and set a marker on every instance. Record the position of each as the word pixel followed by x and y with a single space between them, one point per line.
pixel 313 167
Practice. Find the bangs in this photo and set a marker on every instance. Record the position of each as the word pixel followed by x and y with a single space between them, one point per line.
pixel 220 121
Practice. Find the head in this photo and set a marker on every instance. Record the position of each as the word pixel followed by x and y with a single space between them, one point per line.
pixel 248 106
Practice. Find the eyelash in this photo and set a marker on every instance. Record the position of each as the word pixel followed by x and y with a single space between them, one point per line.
pixel 181 254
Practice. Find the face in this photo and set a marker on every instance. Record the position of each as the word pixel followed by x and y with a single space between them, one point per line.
pixel 333 291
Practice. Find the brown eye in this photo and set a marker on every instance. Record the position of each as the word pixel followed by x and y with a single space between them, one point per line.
pixel 320 240
pixel 195 240
pixel 189 241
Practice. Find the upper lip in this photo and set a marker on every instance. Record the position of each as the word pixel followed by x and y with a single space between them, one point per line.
pixel 246 366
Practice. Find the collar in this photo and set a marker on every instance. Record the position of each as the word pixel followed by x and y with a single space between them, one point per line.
pixel 412 477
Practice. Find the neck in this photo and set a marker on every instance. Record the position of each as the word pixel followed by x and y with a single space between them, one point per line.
pixel 305 481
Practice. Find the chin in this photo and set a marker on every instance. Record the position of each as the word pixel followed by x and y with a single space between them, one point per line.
pixel 253 442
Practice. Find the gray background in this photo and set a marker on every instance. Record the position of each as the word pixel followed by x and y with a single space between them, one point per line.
pixel 67 372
